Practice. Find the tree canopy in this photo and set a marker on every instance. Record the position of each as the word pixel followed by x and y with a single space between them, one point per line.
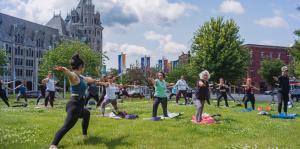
pixel 270 69
pixel 218 48
pixel 62 54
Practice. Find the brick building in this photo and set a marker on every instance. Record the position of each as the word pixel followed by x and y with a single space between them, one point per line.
pixel 260 52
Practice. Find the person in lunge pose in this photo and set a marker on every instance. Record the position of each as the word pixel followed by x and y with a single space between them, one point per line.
pixel 22 92
pixel 201 93
pixel 75 107
pixel 182 87
pixel 222 92
pixel 110 97
pixel 50 89
pixel 3 92
pixel 160 96
pixel 249 93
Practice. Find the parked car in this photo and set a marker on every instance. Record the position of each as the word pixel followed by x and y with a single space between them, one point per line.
pixel 295 93
pixel 271 92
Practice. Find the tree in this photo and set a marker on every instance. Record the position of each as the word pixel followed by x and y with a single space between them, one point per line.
pixel 186 70
pixel 62 54
pixel 269 69
pixel 295 52
pixel 3 60
pixel 218 48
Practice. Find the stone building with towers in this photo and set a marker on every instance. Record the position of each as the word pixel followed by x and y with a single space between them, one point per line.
pixel 25 41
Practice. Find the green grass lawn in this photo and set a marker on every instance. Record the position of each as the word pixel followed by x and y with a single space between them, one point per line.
pixel 35 128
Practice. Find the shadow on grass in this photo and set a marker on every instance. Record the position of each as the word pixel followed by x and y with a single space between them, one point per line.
pixel 110 143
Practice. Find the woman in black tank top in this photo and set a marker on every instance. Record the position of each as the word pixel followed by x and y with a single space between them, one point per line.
pixel 249 93
pixel 222 89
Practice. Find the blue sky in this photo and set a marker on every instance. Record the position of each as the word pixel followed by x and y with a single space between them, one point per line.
pixel 165 27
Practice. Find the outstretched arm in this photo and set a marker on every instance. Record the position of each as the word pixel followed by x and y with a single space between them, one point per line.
pixel 90 80
pixel 255 88
pixel 7 82
pixel 73 78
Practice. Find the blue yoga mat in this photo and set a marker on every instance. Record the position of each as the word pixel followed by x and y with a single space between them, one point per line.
pixel 246 110
pixel 284 116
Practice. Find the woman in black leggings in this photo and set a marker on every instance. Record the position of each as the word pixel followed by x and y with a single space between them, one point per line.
pixel 249 93
pixel 75 107
pixel 222 89
pixel 3 93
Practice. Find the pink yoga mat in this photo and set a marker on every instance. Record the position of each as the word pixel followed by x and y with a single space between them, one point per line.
pixel 205 120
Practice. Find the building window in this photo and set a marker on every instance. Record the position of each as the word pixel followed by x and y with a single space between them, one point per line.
pixel 19 72
pixel 29 63
pixel 19 61
pixel 271 55
pixel 85 20
pixel 18 51
pixel 29 73
pixel 279 55
pixel 261 55
pixel 90 31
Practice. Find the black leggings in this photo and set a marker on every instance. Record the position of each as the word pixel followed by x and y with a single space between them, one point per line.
pixel 75 110
pixel 50 95
pixel 89 96
pixel 164 104
pixel 283 97
pixel 42 95
pixel 251 98
pixel 4 97
pixel 22 95
pixel 224 95
pixel 179 93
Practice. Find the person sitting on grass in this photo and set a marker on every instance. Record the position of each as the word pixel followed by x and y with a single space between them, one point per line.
pixel 75 107
pixel 110 97
pixel 160 96
pixel 249 93
pixel 201 93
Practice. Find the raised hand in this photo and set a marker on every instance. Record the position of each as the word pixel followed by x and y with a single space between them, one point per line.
pixel 60 68
pixel 201 84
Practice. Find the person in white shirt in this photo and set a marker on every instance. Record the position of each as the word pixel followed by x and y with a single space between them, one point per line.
pixel 182 87
pixel 110 97
pixel 50 89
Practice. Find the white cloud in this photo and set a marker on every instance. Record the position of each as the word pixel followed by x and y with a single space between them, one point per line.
pixel 272 22
pixel 128 49
pixel 114 12
pixel 166 43
pixel 294 16
pixel 37 11
pixel 231 6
